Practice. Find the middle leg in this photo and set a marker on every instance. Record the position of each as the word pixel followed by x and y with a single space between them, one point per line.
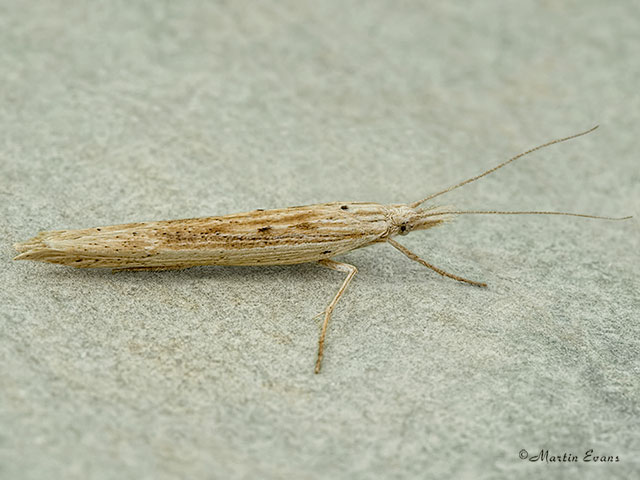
pixel 341 267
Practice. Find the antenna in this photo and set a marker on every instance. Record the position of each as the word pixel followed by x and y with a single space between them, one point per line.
pixel 520 155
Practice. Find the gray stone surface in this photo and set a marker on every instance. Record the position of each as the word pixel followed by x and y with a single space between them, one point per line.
pixel 127 111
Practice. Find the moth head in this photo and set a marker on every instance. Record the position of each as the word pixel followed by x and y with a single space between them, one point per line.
pixel 405 219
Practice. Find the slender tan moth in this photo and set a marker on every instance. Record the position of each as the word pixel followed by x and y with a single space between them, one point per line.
pixel 312 233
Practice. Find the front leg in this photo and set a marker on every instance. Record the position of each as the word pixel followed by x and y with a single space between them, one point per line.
pixel 416 258
pixel 341 267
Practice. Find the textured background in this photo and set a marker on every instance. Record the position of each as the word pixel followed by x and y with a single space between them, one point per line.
pixel 119 111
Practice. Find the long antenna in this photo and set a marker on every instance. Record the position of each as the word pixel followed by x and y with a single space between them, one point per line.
pixel 498 212
pixel 520 155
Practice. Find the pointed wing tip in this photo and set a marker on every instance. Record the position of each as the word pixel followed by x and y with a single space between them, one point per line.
pixel 21 247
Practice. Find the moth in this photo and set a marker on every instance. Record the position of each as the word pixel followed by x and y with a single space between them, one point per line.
pixel 285 236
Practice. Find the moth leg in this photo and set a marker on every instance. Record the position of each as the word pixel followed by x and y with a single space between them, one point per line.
pixel 416 258
pixel 341 267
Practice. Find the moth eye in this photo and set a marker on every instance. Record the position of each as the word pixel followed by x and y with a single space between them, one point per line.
pixel 403 230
